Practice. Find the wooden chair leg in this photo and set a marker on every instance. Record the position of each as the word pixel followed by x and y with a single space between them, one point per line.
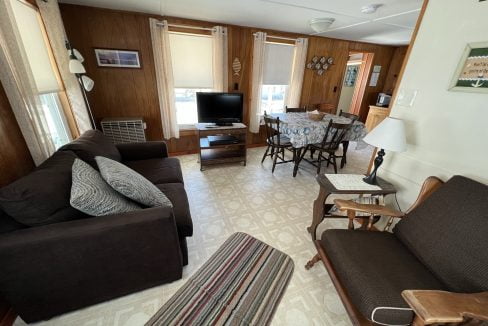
pixel 319 162
pixel 312 261
pixel 334 163
pixel 265 154
pixel 274 160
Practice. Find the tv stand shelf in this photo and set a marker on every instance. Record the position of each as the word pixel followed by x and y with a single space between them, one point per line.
pixel 222 153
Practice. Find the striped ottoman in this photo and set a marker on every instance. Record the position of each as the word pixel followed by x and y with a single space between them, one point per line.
pixel 241 284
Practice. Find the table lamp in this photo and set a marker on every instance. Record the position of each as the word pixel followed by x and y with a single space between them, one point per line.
pixel 388 135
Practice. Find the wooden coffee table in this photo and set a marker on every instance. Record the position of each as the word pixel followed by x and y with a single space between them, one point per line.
pixel 321 208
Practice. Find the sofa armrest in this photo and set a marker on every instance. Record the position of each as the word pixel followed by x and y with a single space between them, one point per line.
pixel 432 307
pixel 142 151
pixel 62 267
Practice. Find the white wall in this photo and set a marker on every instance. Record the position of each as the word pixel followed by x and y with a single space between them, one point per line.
pixel 447 131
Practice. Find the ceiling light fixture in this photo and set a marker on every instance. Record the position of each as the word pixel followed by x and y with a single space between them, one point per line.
pixel 371 9
pixel 320 25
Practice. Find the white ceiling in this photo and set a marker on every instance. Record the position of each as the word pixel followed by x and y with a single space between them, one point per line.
pixel 392 24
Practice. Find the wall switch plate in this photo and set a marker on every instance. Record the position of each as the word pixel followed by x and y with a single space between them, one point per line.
pixel 406 97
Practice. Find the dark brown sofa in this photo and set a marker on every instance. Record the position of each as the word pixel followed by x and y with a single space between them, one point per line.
pixel 54 259
pixel 440 244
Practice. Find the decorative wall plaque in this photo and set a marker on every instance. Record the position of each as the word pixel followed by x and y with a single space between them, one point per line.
pixel 472 72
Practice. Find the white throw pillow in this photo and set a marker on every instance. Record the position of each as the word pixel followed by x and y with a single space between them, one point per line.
pixel 93 196
pixel 131 184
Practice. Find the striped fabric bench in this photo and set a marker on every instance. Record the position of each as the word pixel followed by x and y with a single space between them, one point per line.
pixel 241 284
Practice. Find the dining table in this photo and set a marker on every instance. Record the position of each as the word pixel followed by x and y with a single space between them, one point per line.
pixel 302 131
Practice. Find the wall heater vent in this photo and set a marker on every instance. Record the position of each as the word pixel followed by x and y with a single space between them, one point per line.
pixel 124 130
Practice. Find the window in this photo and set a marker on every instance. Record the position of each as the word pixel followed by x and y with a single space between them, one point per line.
pixel 56 122
pixel 192 60
pixel 38 55
pixel 278 61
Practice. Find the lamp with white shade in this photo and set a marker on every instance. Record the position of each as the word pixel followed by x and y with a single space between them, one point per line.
pixel 86 83
pixel 388 135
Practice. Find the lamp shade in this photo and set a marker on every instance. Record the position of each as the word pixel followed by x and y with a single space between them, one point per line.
pixel 88 83
pixel 77 54
pixel 388 135
pixel 75 66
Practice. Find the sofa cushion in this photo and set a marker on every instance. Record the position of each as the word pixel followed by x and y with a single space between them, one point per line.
pixel 158 170
pixel 8 224
pixel 42 197
pixel 131 184
pixel 448 234
pixel 181 209
pixel 374 268
pixel 93 196
pixel 90 144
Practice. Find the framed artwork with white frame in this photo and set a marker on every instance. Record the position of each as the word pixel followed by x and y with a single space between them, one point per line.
pixel 472 72
pixel 117 58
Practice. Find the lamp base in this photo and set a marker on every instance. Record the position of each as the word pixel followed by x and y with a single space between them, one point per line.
pixel 371 178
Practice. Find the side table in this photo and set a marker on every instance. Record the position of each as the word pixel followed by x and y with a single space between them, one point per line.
pixel 321 209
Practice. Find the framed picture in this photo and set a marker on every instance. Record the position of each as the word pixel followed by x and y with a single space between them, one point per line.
pixel 472 72
pixel 117 58
pixel 351 75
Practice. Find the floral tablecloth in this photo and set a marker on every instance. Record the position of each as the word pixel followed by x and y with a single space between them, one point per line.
pixel 303 131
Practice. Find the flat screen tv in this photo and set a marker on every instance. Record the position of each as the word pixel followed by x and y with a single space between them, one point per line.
pixel 219 108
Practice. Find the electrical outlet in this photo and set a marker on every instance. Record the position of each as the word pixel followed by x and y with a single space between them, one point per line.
pixel 406 97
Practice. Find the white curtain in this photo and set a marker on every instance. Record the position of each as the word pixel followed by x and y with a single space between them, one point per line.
pixel 164 77
pixel 257 80
pixel 220 67
pixel 298 70
pixel 57 36
pixel 18 82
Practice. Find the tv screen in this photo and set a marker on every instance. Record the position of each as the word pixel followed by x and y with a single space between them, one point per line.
pixel 219 107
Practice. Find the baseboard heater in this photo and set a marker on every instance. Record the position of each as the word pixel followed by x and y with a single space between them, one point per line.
pixel 124 130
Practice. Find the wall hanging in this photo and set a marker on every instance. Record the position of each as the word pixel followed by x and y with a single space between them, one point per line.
pixel 117 58
pixel 472 71
pixel 236 66
pixel 320 64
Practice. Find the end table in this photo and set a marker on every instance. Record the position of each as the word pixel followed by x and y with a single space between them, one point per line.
pixel 327 188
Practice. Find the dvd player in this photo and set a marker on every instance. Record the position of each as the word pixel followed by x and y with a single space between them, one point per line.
pixel 222 140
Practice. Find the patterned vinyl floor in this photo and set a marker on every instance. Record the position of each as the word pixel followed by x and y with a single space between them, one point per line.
pixel 275 208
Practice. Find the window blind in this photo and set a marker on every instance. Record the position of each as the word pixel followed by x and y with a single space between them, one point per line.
pixel 278 61
pixel 191 56
pixel 32 38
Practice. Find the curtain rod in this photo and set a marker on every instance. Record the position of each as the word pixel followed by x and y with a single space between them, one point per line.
pixel 280 37
pixel 187 26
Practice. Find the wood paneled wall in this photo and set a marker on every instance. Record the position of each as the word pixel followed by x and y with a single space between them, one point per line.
pixel 395 66
pixel 15 159
pixel 118 92
pixel 132 92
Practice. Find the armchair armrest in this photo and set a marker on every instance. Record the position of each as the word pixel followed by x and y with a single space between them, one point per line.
pixel 61 267
pixel 353 207
pixel 433 307
pixel 142 151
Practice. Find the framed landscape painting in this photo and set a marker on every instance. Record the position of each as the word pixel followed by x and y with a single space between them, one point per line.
pixel 472 72
pixel 117 58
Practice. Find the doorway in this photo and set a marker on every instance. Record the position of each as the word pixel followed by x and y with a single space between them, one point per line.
pixel 354 82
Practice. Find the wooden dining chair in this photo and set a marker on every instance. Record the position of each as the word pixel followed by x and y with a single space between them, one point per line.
pixel 326 107
pixel 276 142
pixel 348 115
pixel 290 110
pixel 345 143
pixel 333 137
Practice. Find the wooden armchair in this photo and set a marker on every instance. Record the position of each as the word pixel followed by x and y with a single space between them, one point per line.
pixel 425 272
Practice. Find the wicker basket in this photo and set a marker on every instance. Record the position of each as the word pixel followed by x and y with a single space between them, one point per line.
pixel 316 116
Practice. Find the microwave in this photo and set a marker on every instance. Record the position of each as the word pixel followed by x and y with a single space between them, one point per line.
pixel 383 99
